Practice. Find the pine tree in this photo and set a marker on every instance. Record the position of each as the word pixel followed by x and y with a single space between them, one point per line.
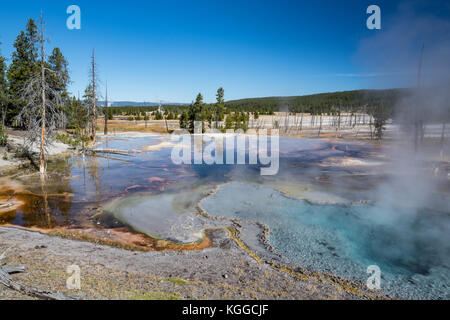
pixel 184 120
pixel 87 96
pixel 77 114
pixel 219 107
pixel 59 78
pixel 88 100
pixel 229 121
pixel 24 64
pixel 196 113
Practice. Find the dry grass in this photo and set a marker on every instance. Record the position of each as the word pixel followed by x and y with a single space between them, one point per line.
pixel 152 126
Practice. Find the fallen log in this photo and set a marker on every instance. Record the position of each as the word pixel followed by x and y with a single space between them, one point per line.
pixel 12 270
pixel 112 151
pixel 113 159
pixel 8 281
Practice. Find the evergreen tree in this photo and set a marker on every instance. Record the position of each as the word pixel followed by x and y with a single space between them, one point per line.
pixel 380 115
pixel 229 121
pixel 88 95
pixel 60 76
pixel 77 114
pixel 219 107
pixel 88 100
pixel 196 113
pixel 158 115
pixel 24 60
pixel 184 120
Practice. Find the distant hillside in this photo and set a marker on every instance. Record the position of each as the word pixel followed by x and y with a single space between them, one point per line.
pixel 325 101
pixel 346 99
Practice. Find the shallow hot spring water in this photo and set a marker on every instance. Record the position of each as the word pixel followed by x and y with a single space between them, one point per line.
pixel 312 206
pixel 412 250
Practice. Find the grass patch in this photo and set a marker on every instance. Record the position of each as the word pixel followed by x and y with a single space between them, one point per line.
pixel 177 281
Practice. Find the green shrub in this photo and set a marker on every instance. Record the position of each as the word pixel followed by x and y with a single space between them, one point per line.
pixel 64 138
pixel 73 141
pixel 22 152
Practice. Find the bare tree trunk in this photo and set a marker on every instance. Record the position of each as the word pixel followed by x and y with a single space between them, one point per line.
pixel 105 132
pixel 167 126
pixel 42 149
pixel 94 113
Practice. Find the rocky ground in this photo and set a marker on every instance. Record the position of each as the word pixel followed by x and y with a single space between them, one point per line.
pixel 227 270
pixel 8 154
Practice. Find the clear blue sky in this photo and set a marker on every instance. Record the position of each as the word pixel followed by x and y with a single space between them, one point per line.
pixel 171 50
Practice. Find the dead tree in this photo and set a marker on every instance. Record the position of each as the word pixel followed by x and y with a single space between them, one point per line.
pixel 94 97
pixel 165 119
pixel 105 131
pixel 42 150
pixel 41 112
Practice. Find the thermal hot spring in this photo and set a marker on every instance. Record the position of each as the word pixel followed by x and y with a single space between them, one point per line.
pixel 331 207
pixel 410 248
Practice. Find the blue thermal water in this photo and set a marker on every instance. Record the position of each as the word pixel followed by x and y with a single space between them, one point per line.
pixel 411 249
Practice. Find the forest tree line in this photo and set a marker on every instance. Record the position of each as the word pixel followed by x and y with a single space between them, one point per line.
pixel 236 114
